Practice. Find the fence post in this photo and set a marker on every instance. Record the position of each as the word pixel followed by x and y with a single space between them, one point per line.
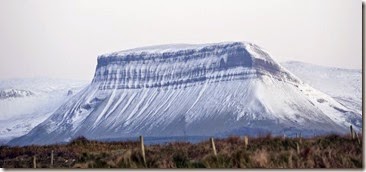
pixel 143 149
pixel 300 138
pixel 246 141
pixel 34 162
pixel 213 146
pixel 352 133
pixel 358 138
pixel 52 159
pixel 297 148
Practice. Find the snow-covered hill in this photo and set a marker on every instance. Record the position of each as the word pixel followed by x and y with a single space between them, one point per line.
pixel 192 90
pixel 344 85
pixel 13 93
pixel 24 103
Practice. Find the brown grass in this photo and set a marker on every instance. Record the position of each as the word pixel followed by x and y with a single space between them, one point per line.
pixel 332 151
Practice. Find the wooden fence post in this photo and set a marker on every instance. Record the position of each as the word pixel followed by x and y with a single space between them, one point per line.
pixel 246 141
pixel 34 162
pixel 300 141
pixel 352 133
pixel 297 148
pixel 143 149
pixel 213 146
pixel 358 138
pixel 52 159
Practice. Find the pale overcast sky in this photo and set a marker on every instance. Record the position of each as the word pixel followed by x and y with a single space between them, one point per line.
pixel 62 38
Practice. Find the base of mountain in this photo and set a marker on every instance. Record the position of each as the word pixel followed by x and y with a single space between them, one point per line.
pixel 330 151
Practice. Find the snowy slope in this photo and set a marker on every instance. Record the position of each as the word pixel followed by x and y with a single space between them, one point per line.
pixel 344 85
pixel 194 90
pixel 24 103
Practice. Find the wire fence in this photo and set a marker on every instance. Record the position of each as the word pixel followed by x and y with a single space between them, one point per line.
pixel 66 159
pixel 39 162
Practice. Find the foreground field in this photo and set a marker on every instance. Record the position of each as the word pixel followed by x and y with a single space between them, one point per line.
pixel 332 151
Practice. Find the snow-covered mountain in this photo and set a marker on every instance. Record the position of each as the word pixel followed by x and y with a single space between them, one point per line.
pixel 192 90
pixel 344 85
pixel 13 93
pixel 25 103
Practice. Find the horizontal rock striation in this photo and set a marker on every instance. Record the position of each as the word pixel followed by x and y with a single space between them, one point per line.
pixel 181 66
pixel 210 90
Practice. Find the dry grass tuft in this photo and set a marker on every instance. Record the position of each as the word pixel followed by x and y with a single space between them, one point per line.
pixel 260 158
pixel 331 151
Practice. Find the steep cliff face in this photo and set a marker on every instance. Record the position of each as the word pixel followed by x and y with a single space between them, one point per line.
pixel 192 90
pixel 181 65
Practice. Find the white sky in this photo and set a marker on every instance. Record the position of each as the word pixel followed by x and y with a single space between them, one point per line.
pixel 62 38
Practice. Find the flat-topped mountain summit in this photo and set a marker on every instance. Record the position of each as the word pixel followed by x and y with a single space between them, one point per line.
pixel 219 89
pixel 182 64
